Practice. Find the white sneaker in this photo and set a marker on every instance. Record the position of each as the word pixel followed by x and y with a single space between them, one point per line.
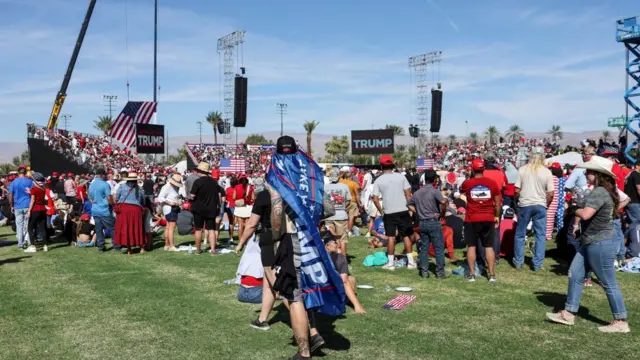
pixel 389 266
pixel 412 266
pixel 31 249
pixel 617 326
pixel 45 248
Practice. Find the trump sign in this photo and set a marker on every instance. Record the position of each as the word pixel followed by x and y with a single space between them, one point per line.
pixel 150 139
pixel 365 142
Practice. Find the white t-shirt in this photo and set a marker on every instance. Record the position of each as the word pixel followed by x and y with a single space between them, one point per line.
pixel 534 185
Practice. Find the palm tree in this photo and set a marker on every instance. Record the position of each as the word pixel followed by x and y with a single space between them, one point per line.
pixel 104 124
pixel 492 134
pixel 412 154
pixel 514 133
pixel 309 127
pixel 181 154
pixel 337 147
pixel 214 118
pixel 400 155
pixel 6 168
pixel 397 129
pixel 606 134
pixel 452 139
pixel 555 132
pixel 473 137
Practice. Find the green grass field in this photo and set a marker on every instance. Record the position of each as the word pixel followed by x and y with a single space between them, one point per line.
pixel 73 303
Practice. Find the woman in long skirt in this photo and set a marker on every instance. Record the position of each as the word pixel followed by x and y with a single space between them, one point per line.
pixel 129 230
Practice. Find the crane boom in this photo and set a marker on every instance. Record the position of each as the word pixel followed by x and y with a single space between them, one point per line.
pixel 62 94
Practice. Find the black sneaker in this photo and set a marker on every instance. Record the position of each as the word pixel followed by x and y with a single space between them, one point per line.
pixel 470 278
pixel 316 342
pixel 492 278
pixel 260 325
pixel 297 356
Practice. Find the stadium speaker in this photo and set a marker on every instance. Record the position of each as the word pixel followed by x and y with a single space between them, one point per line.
pixel 240 104
pixel 436 110
pixel 221 127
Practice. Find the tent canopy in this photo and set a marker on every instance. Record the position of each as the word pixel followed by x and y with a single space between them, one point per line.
pixel 572 158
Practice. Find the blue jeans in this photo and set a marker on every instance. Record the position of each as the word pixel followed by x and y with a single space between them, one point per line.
pixel 597 256
pixel 538 214
pixel 21 227
pixel 91 243
pixel 619 238
pixel 633 212
pixel 251 295
pixel 104 223
pixel 431 232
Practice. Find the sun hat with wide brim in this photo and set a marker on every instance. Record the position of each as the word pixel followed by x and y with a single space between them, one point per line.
pixel 599 164
pixel 176 180
pixel 204 168
pixel 131 176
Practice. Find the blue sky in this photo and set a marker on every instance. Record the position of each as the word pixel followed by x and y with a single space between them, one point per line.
pixel 343 63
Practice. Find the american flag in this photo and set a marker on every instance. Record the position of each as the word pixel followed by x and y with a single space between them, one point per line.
pixel 233 165
pixel 399 302
pixel 124 127
pixel 425 164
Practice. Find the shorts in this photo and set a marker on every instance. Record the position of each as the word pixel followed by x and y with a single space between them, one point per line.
pixel 250 295
pixel 291 242
pixel 352 209
pixel 199 221
pixel 267 248
pixel 340 230
pixel 483 231
pixel 173 215
pixel 400 222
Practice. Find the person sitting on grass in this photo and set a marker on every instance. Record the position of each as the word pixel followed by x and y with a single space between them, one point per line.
pixel 185 222
pixel 342 267
pixel 250 273
pixel 85 232
pixel 376 229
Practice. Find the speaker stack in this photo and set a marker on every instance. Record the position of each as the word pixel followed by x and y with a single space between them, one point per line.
pixel 436 109
pixel 240 102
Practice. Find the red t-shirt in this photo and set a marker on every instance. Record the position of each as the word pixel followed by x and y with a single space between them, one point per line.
pixel 480 193
pixel 248 198
pixel 39 204
pixel 498 176
pixel 239 192
pixel 50 204
pixel 247 280
pixel 230 201
pixel 617 171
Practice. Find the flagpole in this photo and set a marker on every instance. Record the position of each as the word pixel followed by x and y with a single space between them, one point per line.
pixel 155 52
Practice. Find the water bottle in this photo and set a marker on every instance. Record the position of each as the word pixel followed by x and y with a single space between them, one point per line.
pixel 387 288
pixel 190 249
pixel 229 282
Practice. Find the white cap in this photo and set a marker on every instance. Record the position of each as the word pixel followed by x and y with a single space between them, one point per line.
pixel 345 169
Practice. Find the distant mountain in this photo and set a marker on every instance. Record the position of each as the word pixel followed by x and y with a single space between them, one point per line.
pixel 10 150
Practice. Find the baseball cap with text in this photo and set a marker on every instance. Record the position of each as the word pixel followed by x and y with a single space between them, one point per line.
pixel 477 165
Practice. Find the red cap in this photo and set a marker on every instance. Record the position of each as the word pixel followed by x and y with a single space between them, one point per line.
pixel 556 165
pixel 215 173
pixel 85 217
pixel 70 174
pixel 186 206
pixel 477 164
pixel 55 173
pixel 386 160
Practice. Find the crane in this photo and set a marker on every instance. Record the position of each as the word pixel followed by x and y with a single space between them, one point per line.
pixel 62 94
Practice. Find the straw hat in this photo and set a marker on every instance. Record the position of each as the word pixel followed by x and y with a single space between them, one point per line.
pixel 599 164
pixel 176 180
pixel 204 168
pixel 131 176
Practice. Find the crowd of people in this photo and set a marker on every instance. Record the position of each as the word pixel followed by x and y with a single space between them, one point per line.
pixel 463 199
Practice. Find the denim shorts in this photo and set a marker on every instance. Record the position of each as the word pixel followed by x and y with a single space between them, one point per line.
pixel 251 295
pixel 173 215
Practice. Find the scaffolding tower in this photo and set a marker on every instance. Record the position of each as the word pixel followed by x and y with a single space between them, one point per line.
pixel 420 69
pixel 628 33
pixel 230 48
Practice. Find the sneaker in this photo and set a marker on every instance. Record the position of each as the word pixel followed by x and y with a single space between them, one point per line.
pixel 588 282
pixel 470 278
pixel 412 266
pixel 174 249
pixel 492 278
pixel 617 326
pixel 389 266
pixel 562 317
pixel 315 342
pixel 31 249
pixel 166 248
pixel 45 248
pixel 443 276
pixel 260 325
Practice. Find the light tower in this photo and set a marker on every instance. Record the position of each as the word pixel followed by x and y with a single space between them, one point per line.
pixel 628 33
pixel 230 46
pixel 419 67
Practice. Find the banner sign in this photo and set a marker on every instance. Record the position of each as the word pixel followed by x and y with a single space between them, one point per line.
pixel 365 142
pixel 150 139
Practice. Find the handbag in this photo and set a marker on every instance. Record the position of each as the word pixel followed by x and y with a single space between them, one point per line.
pixel 117 207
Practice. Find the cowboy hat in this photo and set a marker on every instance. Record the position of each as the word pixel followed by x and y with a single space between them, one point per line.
pixel 176 180
pixel 599 164
pixel 131 176
pixel 203 168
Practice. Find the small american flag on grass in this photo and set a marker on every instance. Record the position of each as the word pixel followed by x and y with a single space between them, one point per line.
pixel 399 302
pixel 233 165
